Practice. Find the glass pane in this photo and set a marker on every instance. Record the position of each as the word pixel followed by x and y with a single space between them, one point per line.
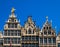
pixel 41 40
pixel 49 40
pixel 45 40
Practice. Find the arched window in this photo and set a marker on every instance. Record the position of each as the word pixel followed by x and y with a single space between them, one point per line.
pixel 29 31
pixel 47 28
pixel 44 27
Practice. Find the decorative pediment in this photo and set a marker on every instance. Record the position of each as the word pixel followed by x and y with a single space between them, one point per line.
pixel 47 24
pixel 12 22
pixel 29 23
pixel 47 28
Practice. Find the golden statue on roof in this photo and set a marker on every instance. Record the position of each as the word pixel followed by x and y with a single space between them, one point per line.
pixel 12 11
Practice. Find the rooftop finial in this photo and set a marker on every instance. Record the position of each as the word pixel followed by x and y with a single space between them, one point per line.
pixel 47 18
pixel 13 10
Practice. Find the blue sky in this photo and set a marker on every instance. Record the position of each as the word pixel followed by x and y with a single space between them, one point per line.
pixel 38 9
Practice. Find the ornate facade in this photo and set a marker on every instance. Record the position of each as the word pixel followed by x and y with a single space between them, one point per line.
pixel 30 35
pixel 47 36
pixel 12 32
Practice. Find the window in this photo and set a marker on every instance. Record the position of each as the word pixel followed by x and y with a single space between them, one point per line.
pixel 8 25
pixel 41 40
pixel 8 32
pixel 29 37
pixel 58 44
pixel 49 40
pixel 14 40
pixel 12 25
pixel 15 25
pixel 12 20
pixel 44 27
pixel 5 33
pixel 54 40
pixel 45 40
pixel 37 38
pixel 29 45
pixel 22 38
pixel 41 33
pixel 33 31
pixel 19 32
pixel 12 34
pixel 8 40
pixel 47 27
pixel 52 33
pixel 26 38
pixel 33 38
pixel 29 31
pixel 45 33
pixel 49 32
pixel 5 40
pixel 15 34
pixel 18 40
